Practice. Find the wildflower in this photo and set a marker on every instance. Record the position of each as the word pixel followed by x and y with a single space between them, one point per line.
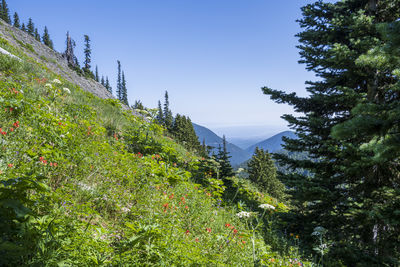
pixel 208 230
pixel 243 214
pixel 291 234
pixel 319 230
pixel 41 158
pixel 244 242
pixel 227 225
pixel 48 86
pixel 297 236
pixel 235 231
pixel 197 240
pixel 12 129
pixel 66 90
pixel 16 124
pixel 187 232
pixel 266 207
pixel 186 207
pixel 56 81
pixel 171 196
pixel 10 165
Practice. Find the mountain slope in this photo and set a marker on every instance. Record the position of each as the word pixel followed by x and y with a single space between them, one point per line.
pixel 211 139
pixel 83 182
pixel 273 143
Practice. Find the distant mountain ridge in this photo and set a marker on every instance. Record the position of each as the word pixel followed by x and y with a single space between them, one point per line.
pixel 273 143
pixel 237 154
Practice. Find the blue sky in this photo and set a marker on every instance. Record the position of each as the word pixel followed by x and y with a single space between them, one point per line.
pixel 212 56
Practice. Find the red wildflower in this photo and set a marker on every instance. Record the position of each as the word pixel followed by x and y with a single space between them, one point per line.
pixel 244 242
pixel 227 225
pixel 171 196
pixel 235 231
pixel 10 165
pixel 51 164
pixel 12 129
pixel 186 207
pixel 187 232
pixel 197 240
pixel 208 230
pixel 41 158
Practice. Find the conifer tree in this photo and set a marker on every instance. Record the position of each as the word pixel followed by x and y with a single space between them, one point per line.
pixel 160 114
pixel 30 27
pixel 37 35
pixel 168 118
pixel 222 158
pixel 349 189
pixel 5 12
pixel 102 81
pixel 108 86
pixel 46 38
pixel 96 76
pixel 262 172
pixel 23 27
pixel 119 82
pixel 124 90
pixel 69 52
pixel 88 56
pixel 17 23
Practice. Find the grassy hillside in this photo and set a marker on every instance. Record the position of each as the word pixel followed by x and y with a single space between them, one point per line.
pixel 84 182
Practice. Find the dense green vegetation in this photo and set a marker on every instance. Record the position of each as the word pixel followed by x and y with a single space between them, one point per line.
pixel 85 183
pixel 350 132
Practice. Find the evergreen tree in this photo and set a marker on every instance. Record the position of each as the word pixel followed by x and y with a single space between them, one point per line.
pixel 262 172
pixel 184 133
pixel 124 90
pixel 160 114
pixel 108 86
pixel 69 52
pixel 37 35
pixel 96 76
pixel 30 27
pixel 168 118
pixel 17 23
pixel 103 81
pixel 222 158
pixel 346 181
pixel 119 82
pixel 23 27
pixel 88 55
pixel 46 38
pixel 138 105
pixel 5 12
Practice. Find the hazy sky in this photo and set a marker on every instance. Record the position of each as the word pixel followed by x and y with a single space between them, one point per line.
pixel 212 56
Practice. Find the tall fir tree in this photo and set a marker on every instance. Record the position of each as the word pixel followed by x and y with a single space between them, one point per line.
pixel 119 82
pixel 88 56
pixel 102 81
pixel 46 38
pixel 222 158
pixel 30 27
pixel 5 12
pixel 168 117
pixel 160 114
pixel 108 86
pixel 17 22
pixel 345 181
pixel 37 35
pixel 96 75
pixel 124 90
pixel 262 172
pixel 23 27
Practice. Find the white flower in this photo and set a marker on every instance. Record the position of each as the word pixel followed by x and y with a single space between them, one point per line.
pixel 56 81
pixel 267 207
pixel 66 90
pixel 21 91
pixel 85 187
pixel 125 209
pixel 243 214
pixel 48 85
pixel 319 230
